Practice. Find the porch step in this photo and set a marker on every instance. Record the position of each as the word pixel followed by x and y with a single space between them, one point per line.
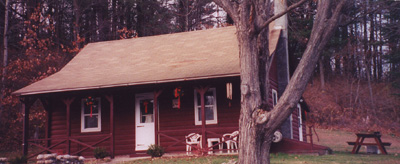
pixel 139 154
pixel 298 147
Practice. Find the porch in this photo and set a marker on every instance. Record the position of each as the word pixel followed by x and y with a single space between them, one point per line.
pixel 63 134
pixel 64 143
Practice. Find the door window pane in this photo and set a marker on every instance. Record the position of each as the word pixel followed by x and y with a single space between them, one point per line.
pixel 146 111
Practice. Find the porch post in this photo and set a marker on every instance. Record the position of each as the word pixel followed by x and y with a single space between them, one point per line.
pixel 26 105
pixel 68 102
pixel 112 146
pixel 47 106
pixel 202 91
pixel 156 94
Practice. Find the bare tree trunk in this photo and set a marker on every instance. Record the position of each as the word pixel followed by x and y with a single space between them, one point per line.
pixel 371 95
pixel 253 149
pixel 357 93
pixel 114 19
pixel 186 15
pixel 380 69
pixel 322 74
pixel 372 43
pixel 5 52
pixel 183 14
pixel 351 93
pixel 76 23
pixel 367 55
pixel 257 123
pixel 338 68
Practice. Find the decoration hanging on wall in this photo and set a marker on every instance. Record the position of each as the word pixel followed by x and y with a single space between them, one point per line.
pixel 145 103
pixel 90 102
pixel 229 93
pixel 178 93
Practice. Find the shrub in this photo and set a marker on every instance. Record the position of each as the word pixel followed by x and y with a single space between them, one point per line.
pixel 100 153
pixel 18 160
pixel 155 151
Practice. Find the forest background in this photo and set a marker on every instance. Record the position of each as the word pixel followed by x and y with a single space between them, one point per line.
pixel 356 85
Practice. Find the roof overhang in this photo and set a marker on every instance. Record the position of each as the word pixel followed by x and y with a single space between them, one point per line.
pixel 124 85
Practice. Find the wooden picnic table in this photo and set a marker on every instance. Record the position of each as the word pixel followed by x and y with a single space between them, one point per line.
pixel 360 141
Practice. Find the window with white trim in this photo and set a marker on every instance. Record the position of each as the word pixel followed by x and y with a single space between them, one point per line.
pixel 91 115
pixel 274 97
pixel 210 107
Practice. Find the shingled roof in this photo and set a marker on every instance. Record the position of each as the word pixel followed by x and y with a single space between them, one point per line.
pixel 155 59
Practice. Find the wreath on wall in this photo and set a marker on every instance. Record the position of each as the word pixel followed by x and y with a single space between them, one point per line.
pixel 90 102
pixel 178 93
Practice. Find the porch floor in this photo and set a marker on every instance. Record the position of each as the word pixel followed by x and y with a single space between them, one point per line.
pixel 286 146
pixel 126 158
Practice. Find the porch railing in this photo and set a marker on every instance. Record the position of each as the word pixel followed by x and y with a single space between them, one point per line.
pixel 45 146
pixel 214 132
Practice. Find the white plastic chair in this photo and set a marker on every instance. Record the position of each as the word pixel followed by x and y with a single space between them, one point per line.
pixel 192 139
pixel 231 140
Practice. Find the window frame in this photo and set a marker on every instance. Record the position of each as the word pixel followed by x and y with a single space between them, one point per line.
pixel 98 128
pixel 274 95
pixel 198 107
pixel 300 122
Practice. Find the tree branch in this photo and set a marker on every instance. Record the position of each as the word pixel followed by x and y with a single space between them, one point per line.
pixel 266 23
pixel 322 32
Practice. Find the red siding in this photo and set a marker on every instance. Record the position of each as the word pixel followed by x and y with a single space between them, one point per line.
pixel 180 120
pixel 295 125
pixel 273 73
pixel 124 124
pixel 59 128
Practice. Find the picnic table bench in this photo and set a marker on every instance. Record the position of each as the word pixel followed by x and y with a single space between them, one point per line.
pixel 360 141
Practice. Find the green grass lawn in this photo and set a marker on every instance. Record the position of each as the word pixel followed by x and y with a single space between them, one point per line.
pixel 335 139
pixel 335 158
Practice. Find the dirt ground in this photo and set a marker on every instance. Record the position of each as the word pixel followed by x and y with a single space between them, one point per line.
pixel 337 140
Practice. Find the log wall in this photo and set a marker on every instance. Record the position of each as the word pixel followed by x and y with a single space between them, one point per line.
pixel 175 123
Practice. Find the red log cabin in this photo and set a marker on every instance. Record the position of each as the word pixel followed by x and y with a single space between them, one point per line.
pixel 124 95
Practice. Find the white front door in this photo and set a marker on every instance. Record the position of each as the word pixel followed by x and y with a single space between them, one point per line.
pixel 144 116
pixel 300 123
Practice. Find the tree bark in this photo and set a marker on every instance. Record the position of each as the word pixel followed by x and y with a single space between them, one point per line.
pixel 186 4
pixel 5 52
pixel 322 74
pixel 373 46
pixel 371 95
pixel 380 68
pixel 183 15
pixel 114 19
pixel 252 147
pixel 367 57
pixel 77 15
pixel 257 123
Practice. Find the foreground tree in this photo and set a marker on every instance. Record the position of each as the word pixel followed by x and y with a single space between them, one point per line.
pixel 5 51
pixel 257 120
